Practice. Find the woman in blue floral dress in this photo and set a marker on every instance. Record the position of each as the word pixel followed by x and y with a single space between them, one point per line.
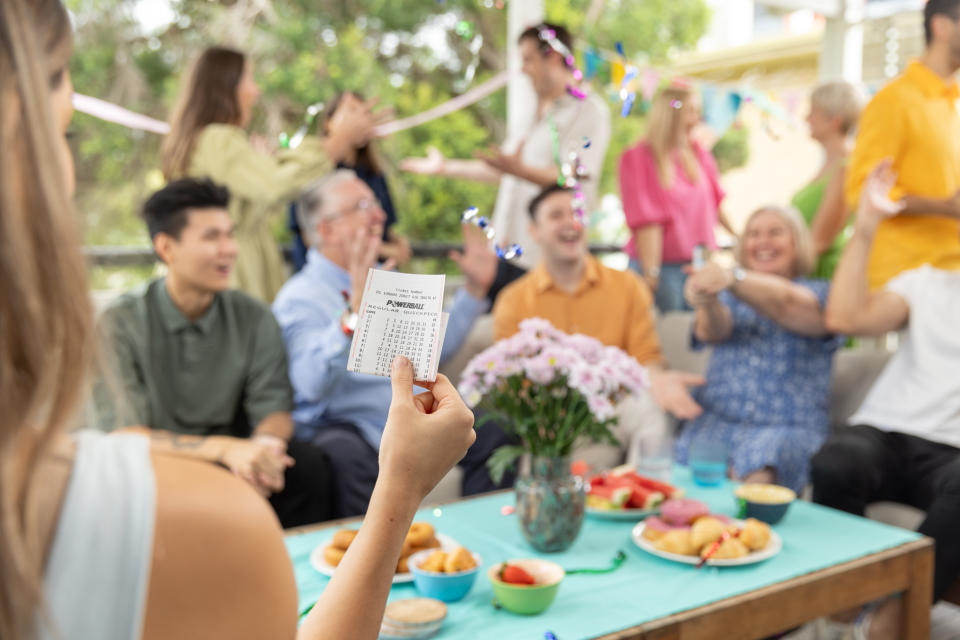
pixel 768 382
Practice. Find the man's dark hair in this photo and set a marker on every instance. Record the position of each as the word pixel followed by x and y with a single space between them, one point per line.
pixel 166 210
pixel 543 195
pixel 949 8
pixel 534 33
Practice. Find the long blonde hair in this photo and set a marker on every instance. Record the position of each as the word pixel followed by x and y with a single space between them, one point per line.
pixel 666 135
pixel 46 318
pixel 208 96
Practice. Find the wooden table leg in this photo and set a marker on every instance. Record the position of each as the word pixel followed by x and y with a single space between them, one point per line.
pixel 918 598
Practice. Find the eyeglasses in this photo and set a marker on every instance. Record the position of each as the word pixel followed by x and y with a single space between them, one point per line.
pixel 365 205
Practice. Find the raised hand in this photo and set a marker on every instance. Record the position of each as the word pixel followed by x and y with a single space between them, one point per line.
pixel 875 203
pixel 495 158
pixel 478 262
pixel 431 165
pixel 703 286
pixel 425 435
pixel 361 255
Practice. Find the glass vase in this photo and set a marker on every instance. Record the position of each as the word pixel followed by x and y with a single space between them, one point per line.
pixel 550 503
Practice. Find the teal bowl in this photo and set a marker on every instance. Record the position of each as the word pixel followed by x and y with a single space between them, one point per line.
pixel 765 502
pixel 448 587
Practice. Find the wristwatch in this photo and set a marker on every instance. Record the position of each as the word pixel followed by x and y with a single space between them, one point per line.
pixel 739 273
pixel 349 321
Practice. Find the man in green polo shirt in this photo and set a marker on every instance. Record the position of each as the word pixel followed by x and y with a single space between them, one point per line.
pixel 203 367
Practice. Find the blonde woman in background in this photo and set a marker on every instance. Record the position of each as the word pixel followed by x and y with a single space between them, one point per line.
pixel 671 196
pixel 208 139
pixel 766 400
pixel 834 110
pixel 100 537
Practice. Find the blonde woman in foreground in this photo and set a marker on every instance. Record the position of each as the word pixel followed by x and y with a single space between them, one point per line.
pixel 159 547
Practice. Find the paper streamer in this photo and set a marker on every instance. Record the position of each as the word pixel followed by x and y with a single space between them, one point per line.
pixel 118 115
pixel 470 97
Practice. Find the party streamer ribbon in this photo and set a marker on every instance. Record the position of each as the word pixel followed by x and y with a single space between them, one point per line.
pixel 460 102
pixel 118 115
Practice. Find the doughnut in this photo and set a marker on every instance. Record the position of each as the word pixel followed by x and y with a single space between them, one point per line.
pixel 343 538
pixel 333 555
pixel 434 562
pixel 728 550
pixel 755 534
pixel 419 534
pixel 706 531
pixel 682 510
pixel 655 527
pixel 676 541
pixel 459 560
pixel 402 565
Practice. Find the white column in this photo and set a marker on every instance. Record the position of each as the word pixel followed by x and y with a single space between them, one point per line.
pixel 521 100
pixel 842 54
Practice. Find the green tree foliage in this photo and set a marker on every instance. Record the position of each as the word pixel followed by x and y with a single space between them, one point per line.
pixel 404 52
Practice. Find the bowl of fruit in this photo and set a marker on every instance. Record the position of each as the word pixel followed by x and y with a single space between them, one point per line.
pixel 526 586
pixel 444 575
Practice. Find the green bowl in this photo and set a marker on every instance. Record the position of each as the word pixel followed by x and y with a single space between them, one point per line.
pixel 528 599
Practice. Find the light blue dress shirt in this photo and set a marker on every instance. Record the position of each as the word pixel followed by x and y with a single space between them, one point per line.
pixel 308 309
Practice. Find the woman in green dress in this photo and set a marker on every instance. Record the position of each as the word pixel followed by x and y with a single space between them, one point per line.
pixel 834 110
pixel 208 138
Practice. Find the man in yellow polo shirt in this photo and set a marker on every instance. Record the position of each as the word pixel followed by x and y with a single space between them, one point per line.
pixel 914 121
pixel 577 294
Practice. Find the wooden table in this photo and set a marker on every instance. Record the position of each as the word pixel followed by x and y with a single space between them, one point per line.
pixel 906 568
pixel 778 608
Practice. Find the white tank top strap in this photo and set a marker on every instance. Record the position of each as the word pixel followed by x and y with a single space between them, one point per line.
pixel 97 575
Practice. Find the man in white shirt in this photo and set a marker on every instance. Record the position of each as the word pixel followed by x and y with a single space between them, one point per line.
pixel 903 444
pixel 565 121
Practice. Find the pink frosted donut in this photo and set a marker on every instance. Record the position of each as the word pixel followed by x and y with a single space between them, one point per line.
pixel 683 511
pixel 654 527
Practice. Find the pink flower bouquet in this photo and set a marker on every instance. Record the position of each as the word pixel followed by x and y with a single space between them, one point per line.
pixel 549 389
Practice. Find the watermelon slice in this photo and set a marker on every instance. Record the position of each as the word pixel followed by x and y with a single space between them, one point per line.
pixel 607 497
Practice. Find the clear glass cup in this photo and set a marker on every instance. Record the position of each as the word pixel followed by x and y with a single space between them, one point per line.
pixel 708 462
pixel 654 455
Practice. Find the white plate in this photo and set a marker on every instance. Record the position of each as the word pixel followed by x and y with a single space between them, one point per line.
pixel 319 563
pixel 773 548
pixel 621 514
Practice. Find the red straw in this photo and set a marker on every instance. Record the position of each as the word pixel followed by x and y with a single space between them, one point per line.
pixel 726 535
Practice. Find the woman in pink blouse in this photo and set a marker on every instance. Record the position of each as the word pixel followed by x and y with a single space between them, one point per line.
pixel 671 196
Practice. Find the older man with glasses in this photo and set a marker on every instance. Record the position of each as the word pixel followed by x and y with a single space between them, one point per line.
pixel 340 411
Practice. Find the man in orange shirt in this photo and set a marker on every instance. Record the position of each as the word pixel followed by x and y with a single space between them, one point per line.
pixel 577 294
pixel 914 121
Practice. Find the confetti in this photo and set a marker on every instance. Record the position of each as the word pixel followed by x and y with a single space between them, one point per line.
pixel 464 29
pixel 506 510
pixel 586 142
pixel 511 252
pixel 472 216
pixel 548 635
pixel 620 49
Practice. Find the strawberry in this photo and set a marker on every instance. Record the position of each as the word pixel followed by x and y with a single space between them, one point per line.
pixel 513 574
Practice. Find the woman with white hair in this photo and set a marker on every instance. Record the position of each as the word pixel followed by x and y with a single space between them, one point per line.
pixel 834 111
pixel 768 382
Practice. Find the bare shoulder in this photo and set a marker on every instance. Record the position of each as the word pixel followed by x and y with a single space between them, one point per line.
pixel 220 568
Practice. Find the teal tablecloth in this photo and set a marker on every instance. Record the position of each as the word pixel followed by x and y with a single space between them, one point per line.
pixel 644 588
